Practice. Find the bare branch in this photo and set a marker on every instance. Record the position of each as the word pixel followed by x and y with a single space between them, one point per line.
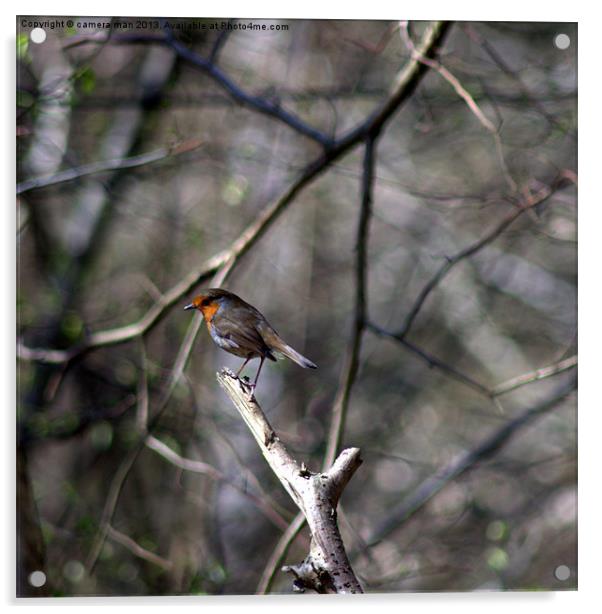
pixel 257 103
pixel 500 389
pixel 138 550
pixel 109 507
pixel 505 67
pixel 187 464
pixel 534 376
pixel 94 168
pixel 278 554
pixel 431 360
pixel 220 41
pixel 142 391
pixel 530 201
pixel 407 80
pixel 351 361
pixel 468 99
pixel 316 495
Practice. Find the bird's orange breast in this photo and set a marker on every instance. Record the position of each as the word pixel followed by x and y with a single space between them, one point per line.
pixel 209 311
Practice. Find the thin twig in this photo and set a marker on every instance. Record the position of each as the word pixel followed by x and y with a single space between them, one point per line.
pixel 280 551
pixel 187 464
pixel 505 67
pixel 431 360
pixel 106 518
pixel 142 392
pixel 432 485
pixel 534 376
pixel 196 466
pixel 529 203
pixel 220 41
pixel 351 361
pixel 138 550
pixel 496 391
pixel 94 168
pixel 257 103
pixel 468 99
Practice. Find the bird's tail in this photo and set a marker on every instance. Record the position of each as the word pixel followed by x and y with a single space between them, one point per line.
pixel 275 342
pixel 288 351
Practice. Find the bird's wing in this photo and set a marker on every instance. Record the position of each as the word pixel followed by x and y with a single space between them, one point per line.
pixel 244 337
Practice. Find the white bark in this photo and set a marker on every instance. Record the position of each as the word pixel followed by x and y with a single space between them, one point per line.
pixel 326 569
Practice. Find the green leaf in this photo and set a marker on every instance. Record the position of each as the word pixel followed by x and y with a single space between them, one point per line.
pixel 86 80
pixel 72 326
pixel 22 46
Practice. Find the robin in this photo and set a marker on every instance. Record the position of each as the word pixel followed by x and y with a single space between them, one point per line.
pixel 240 329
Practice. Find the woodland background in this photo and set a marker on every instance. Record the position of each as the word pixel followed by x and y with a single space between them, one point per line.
pixel 427 266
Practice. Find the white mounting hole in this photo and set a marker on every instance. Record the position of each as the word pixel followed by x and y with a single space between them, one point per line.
pixel 37 578
pixel 562 573
pixel 37 35
pixel 562 41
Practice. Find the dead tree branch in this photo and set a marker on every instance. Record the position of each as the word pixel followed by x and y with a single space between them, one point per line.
pixel 326 569
pixel 449 370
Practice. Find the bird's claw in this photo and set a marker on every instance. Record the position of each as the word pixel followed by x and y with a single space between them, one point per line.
pixel 246 384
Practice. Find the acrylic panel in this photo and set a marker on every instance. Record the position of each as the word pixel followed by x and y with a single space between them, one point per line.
pixel 391 202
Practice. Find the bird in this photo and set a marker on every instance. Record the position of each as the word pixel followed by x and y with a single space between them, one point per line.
pixel 241 329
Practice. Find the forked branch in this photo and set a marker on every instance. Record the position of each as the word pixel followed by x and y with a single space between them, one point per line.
pixel 326 569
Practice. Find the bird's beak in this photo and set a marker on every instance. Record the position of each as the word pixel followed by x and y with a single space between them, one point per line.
pixel 191 306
